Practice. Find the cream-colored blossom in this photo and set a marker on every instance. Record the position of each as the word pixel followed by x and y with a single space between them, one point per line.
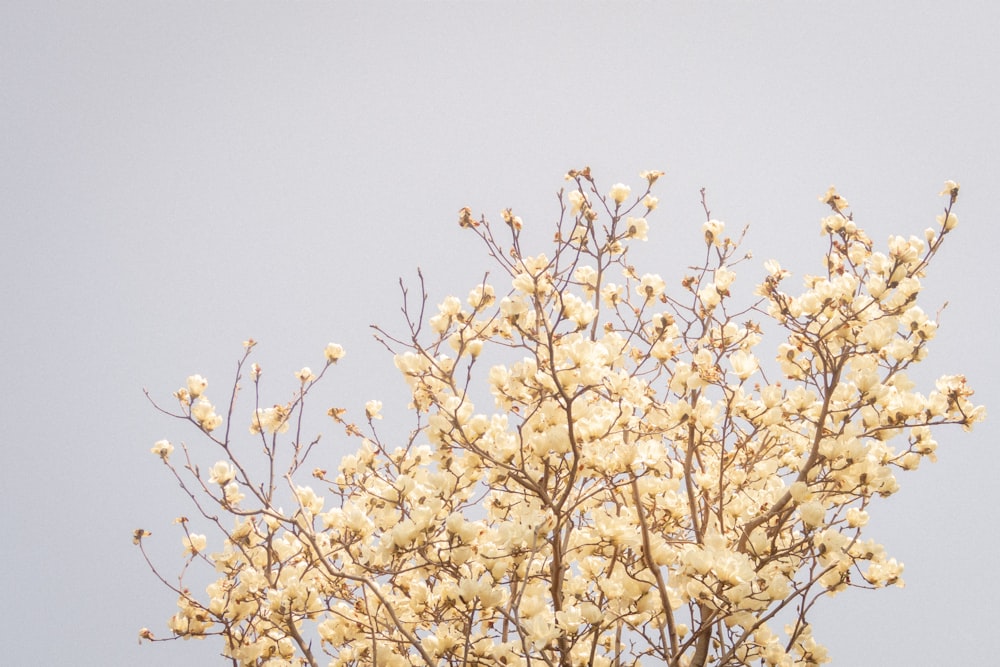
pixel 513 221
pixel 744 364
pixel 636 228
pixel 619 192
pixel 221 473
pixel 272 420
pixel 724 277
pixel 196 385
pixel 334 353
pixel 812 513
pixel 203 412
pixel 856 518
pixel 308 499
pixel 586 276
pixel 163 449
pixel 194 543
pixel 709 296
pixel 833 199
pixel 774 268
pixel 481 296
pixel 232 494
pixel 612 294
pixel 714 229
pixel 651 286
pixel 951 189
pixel 651 176
pixel 948 222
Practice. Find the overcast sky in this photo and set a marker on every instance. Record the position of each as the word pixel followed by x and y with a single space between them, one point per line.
pixel 177 177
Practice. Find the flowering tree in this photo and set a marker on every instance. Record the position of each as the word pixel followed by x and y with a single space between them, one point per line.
pixel 641 490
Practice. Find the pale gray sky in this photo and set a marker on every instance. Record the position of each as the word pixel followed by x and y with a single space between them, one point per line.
pixel 177 177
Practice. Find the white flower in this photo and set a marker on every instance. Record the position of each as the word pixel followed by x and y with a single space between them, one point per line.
pixel 650 176
pixel 709 296
pixel 372 409
pixel 196 385
pixel 273 420
pixel 334 353
pixel 221 473
pixel 744 364
pixel 832 224
pixel 451 306
pixel 163 449
pixel 578 310
pixel 637 228
pixel 723 278
pixel 308 499
pixel 576 201
pixel 713 232
pixel 612 294
pixel 203 412
pixel 481 296
pixel 951 188
pixel 586 276
pixel 540 630
pixel 812 513
pixel 949 223
pixel 619 192
pixel 194 543
pixel 833 199
pixel 232 493
pixel 856 518
pixel 512 220
pixel 774 269
pixel 305 375
pixel 651 286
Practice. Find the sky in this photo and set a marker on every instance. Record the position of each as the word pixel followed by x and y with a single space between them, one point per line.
pixel 178 177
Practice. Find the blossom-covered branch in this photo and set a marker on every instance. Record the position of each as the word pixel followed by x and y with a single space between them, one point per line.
pixel 601 470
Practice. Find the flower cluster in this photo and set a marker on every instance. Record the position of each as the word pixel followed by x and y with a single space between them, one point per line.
pixel 200 411
pixel 631 478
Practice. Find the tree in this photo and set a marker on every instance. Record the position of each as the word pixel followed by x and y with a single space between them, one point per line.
pixel 643 488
